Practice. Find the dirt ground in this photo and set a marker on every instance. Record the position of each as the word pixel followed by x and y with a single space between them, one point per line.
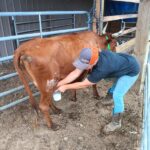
pixel 81 123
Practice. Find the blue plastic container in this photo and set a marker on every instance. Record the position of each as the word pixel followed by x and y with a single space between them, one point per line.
pixel 121 8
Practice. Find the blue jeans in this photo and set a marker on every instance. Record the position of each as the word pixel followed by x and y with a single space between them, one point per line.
pixel 119 89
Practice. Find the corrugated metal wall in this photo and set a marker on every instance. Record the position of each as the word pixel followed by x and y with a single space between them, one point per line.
pixel 6 24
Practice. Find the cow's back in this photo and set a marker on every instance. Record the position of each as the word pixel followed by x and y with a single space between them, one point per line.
pixel 53 56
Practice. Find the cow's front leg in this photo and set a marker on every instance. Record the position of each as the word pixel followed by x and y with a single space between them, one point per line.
pixel 54 108
pixel 74 95
pixel 95 92
pixel 44 106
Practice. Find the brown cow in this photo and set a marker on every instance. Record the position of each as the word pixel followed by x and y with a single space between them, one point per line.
pixel 48 60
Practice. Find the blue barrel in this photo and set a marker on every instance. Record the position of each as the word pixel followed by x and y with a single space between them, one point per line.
pixel 120 8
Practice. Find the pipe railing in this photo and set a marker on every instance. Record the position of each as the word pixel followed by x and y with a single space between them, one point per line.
pixel 8 76
pixel 145 143
pixel 17 102
pixel 14 37
pixel 37 34
pixel 13 90
pixel 9 14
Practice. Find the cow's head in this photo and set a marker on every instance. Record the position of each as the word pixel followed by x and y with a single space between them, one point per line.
pixel 114 35
pixel 109 40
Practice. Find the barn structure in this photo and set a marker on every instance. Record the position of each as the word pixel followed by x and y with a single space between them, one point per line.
pixel 22 20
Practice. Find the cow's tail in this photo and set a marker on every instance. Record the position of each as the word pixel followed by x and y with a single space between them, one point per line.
pixel 19 69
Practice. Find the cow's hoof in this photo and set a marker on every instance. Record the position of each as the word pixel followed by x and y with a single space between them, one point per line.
pixel 73 99
pixel 98 97
pixel 57 111
pixel 55 127
pixel 98 104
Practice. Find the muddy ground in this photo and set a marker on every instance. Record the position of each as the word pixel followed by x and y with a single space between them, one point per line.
pixel 81 123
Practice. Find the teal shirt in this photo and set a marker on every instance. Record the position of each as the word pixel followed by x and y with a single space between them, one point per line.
pixel 113 65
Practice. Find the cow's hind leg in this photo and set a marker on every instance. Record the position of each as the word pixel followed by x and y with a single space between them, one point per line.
pixel 44 106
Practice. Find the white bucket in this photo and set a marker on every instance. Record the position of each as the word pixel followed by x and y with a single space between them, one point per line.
pixel 57 96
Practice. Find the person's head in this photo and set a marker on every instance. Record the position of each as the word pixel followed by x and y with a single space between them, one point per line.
pixel 87 59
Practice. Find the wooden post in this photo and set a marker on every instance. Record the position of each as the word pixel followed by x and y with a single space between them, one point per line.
pixel 97 15
pixel 101 16
pixel 142 37
pixel 127 46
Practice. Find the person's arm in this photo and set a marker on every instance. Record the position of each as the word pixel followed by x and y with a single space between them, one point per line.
pixel 76 85
pixel 71 77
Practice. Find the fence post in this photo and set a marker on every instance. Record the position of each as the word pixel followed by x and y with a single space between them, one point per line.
pixel 101 16
pixel 89 22
pixel 15 28
pixel 40 25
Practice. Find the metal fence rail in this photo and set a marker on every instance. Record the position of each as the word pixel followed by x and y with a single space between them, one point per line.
pixel 14 37
pixel 145 144
pixel 4 14
pixel 17 102
pixel 41 33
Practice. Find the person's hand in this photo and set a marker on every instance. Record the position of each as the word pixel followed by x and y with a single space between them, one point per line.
pixel 62 89
pixel 60 83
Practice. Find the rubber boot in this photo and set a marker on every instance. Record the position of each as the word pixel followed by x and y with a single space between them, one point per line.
pixel 114 124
